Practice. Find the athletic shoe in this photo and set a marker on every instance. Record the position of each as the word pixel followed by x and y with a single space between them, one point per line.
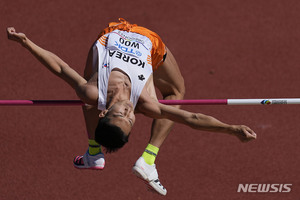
pixel 88 161
pixel 149 174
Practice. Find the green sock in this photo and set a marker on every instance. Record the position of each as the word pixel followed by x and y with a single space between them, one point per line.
pixel 94 147
pixel 150 154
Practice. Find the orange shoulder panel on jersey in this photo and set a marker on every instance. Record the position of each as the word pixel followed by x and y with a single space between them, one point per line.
pixel 158 47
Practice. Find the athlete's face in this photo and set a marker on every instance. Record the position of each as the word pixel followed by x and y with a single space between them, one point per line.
pixel 122 115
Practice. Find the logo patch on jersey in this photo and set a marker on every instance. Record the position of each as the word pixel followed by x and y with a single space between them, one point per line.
pixel 141 77
pixel 128 50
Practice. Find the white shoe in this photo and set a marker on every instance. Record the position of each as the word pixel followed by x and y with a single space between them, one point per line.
pixel 149 174
pixel 88 161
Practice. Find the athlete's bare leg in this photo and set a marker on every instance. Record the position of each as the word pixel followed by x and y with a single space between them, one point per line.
pixel 169 81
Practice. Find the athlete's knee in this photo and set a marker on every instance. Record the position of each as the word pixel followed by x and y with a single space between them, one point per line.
pixel 180 90
pixel 180 94
pixel 176 93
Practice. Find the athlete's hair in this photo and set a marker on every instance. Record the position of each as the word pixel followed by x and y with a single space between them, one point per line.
pixel 110 136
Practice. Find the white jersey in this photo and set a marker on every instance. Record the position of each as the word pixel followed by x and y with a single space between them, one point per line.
pixel 129 52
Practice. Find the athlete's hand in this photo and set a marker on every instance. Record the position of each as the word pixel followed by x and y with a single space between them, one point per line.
pixel 13 35
pixel 243 133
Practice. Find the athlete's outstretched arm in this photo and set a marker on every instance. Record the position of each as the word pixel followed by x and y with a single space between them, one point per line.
pixel 48 59
pixel 198 121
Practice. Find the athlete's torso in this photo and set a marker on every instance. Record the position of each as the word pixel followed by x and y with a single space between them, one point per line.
pixel 130 53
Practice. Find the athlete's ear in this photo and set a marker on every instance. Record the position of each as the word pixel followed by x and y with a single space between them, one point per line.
pixel 103 113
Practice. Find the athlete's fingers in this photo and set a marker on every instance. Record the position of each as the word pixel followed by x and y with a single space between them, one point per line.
pixel 251 133
pixel 11 32
pixel 246 134
pixel 13 35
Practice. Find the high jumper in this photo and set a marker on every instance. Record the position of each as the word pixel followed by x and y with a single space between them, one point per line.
pixel 124 65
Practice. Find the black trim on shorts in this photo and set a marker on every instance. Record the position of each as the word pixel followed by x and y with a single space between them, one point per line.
pixel 164 57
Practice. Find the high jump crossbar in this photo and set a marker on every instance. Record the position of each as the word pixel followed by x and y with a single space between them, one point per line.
pixel 167 102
